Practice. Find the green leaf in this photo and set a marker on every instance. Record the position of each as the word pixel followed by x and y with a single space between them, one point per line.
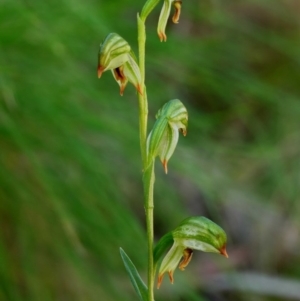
pixel 148 7
pixel 136 280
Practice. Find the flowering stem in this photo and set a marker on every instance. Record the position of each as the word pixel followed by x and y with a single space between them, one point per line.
pixel 148 169
pixel 149 179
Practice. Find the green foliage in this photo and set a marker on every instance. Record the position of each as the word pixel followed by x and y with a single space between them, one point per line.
pixel 136 280
pixel 70 192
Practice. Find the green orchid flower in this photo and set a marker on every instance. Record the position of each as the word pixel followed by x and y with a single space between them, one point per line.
pixel 115 54
pixel 194 233
pixel 164 136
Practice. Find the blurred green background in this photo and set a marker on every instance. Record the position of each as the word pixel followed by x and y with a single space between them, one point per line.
pixel 70 176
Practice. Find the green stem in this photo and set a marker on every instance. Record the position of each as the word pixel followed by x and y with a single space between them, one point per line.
pixel 148 178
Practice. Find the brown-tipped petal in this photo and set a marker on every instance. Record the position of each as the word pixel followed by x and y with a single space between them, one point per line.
pixel 177 5
pixel 139 89
pixel 122 88
pixel 100 70
pixel 165 165
pixel 187 256
pixel 159 280
pixel 120 78
pixel 223 251
pixel 184 132
pixel 171 276
pixel 162 36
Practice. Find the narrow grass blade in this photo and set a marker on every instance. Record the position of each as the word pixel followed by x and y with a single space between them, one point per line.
pixel 136 280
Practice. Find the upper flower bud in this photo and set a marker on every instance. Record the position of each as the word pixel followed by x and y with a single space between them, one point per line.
pixel 164 16
pixel 194 233
pixel 115 54
pixel 163 138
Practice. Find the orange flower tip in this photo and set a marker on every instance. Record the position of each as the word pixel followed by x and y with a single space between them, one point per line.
pixel 140 89
pixel 100 70
pixel 171 276
pixel 162 36
pixel 122 88
pixel 223 251
pixel 176 16
pixel 159 280
pixel 175 19
pixel 184 132
pixel 164 163
pixel 187 256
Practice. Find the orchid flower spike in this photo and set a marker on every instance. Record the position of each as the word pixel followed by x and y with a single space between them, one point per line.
pixel 115 54
pixel 164 16
pixel 194 233
pixel 163 138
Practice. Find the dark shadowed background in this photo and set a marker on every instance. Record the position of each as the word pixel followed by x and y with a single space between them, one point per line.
pixel 70 173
